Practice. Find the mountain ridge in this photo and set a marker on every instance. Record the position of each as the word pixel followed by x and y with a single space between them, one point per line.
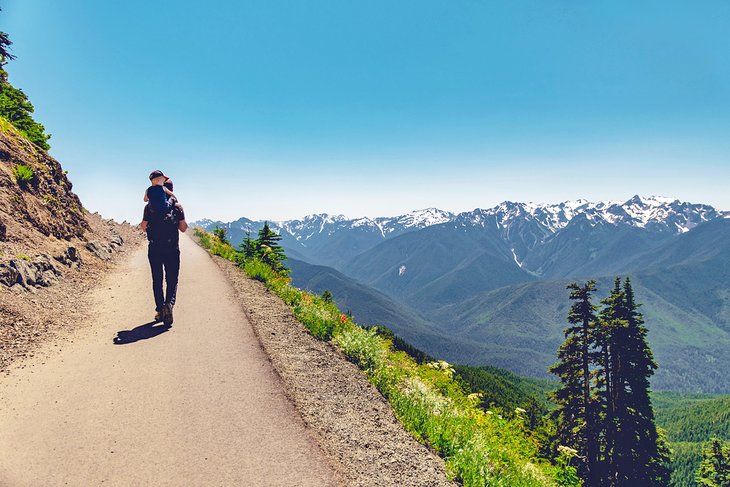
pixel 492 281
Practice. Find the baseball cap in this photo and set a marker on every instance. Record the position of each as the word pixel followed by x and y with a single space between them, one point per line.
pixel 156 174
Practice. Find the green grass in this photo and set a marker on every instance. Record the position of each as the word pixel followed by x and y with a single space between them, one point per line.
pixel 23 174
pixel 480 448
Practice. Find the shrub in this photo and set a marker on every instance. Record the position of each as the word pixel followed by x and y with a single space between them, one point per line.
pixel 23 174
pixel 361 347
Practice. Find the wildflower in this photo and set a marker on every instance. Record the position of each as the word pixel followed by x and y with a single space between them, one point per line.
pixel 475 396
pixel 490 413
pixel 520 411
pixel 343 318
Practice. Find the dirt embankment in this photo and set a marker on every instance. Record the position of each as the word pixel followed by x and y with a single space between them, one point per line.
pixel 52 251
pixel 355 425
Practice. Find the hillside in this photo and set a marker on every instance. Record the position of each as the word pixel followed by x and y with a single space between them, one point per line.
pixel 493 280
pixel 367 306
pixel 690 421
pixel 51 249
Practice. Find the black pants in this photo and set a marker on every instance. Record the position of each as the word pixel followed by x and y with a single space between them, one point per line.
pixel 164 260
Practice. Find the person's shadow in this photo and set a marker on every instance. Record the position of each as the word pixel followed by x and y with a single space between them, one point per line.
pixel 142 332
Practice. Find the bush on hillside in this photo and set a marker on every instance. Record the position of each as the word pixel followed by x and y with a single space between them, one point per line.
pixel 23 174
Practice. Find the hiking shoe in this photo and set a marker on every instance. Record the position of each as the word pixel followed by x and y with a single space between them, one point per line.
pixel 158 316
pixel 167 314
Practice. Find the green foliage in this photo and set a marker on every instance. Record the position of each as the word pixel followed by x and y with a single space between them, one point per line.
pixel 17 109
pixel 504 390
pixel 714 469
pixel 14 104
pixel 690 420
pixel 698 421
pixel 220 234
pixel 361 347
pixel 269 250
pixel 23 174
pixel 481 448
pixel 327 296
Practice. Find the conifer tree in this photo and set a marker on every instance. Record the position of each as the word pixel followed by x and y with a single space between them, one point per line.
pixel 14 104
pixel 607 365
pixel 575 412
pixel 639 455
pixel 269 250
pixel 714 471
pixel 248 247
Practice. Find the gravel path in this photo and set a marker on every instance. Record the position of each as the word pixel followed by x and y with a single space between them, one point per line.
pixel 196 404
pixel 357 427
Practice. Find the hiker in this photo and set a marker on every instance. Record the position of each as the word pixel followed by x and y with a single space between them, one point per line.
pixel 163 251
pixel 157 196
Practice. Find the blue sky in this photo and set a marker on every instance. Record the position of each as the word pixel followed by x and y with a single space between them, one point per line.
pixel 280 109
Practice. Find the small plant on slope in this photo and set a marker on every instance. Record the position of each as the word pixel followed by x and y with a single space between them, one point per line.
pixel 23 174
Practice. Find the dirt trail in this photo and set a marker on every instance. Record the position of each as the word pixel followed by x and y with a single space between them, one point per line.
pixel 198 404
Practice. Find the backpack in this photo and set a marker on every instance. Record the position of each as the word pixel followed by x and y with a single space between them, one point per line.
pixel 163 226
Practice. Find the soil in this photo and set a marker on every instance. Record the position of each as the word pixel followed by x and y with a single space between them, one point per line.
pixel 29 318
pixel 356 426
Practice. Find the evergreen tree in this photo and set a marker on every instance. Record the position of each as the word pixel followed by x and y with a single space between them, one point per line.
pixel 639 455
pixel 5 44
pixel 714 470
pixel 248 247
pixel 607 365
pixel 14 104
pixel 575 413
pixel 269 250
pixel 220 233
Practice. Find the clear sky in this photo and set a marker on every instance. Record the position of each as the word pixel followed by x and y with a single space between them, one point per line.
pixel 277 109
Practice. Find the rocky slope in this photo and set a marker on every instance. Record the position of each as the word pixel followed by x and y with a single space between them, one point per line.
pixel 51 249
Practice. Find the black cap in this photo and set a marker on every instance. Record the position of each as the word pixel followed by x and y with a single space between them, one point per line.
pixel 156 174
pixel 168 184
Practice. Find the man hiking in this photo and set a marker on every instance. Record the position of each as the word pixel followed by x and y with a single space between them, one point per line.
pixel 163 251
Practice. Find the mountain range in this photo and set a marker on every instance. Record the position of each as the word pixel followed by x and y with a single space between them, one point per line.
pixel 488 286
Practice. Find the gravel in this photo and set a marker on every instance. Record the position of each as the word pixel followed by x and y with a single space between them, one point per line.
pixel 355 425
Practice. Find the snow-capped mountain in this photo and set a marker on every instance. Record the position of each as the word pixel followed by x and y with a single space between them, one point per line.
pixel 654 212
pixel 334 239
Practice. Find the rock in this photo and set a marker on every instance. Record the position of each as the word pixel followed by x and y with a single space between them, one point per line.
pixel 3 232
pixel 99 249
pixel 27 273
pixel 46 271
pixel 116 241
pixel 70 257
pixel 8 275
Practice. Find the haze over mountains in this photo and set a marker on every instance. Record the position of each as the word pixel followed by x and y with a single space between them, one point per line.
pixel 488 286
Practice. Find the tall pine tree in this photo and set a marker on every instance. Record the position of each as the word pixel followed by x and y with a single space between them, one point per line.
pixel 607 364
pixel 604 410
pixel 639 455
pixel 575 412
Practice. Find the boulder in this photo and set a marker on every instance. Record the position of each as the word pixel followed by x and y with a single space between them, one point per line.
pixel 46 271
pixel 116 241
pixel 70 257
pixel 27 273
pixel 8 274
pixel 99 249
